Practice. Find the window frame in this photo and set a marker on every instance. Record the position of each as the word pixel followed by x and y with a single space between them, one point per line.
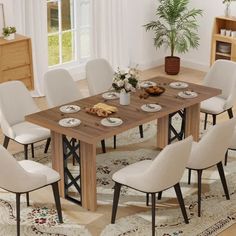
pixel 76 29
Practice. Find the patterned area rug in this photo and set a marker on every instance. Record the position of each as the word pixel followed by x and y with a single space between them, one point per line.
pixel 35 220
pixel 217 213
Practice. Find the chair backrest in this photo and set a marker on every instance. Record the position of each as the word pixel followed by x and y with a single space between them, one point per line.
pixel 222 75
pixel 15 103
pixel 60 88
pixel 211 149
pixel 167 168
pixel 13 177
pixel 99 74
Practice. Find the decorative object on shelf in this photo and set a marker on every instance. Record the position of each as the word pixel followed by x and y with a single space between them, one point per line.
pixel 9 32
pixel 227 7
pixel 175 28
pixel 124 83
pixel 2 17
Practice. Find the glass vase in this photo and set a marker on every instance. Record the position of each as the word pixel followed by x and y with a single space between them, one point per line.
pixel 227 10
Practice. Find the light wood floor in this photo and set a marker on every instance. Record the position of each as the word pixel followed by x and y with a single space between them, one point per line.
pixel 96 221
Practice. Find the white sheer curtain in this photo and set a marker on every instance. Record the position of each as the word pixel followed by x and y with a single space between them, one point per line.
pixel 110 31
pixel 31 20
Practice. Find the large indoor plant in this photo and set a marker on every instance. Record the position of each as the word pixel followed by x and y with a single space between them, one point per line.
pixel 175 28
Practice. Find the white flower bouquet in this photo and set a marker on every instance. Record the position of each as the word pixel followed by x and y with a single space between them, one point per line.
pixel 125 81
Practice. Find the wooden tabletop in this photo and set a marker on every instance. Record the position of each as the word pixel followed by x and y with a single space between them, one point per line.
pixel 91 131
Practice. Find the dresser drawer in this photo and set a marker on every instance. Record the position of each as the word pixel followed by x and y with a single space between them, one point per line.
pixel 14 55
pixel 18 73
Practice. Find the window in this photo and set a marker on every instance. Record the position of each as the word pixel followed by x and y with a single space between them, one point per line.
pixel 68 31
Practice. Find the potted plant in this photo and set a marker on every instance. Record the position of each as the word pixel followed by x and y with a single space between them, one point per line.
pixel 175 28
pixel 9 32
pixel 227 7
pixel 124 83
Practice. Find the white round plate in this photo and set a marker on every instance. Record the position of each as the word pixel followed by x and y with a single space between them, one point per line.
pixel 69 122
pixel 111 95
pixel 151 107
pixel 111 122
pixel 178 85
pixel 187 94
pixel 69 109
pixel 146 84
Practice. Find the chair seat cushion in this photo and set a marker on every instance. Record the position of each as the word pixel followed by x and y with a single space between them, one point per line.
pixel 214 105
pixel 26 133
pixel 122 176
pixel 37 168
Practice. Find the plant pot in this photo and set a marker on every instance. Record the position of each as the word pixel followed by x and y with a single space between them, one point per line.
pixel 10 37
pixel 124 98
pixel 172 65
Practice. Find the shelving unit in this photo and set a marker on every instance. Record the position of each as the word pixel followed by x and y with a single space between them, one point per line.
pixel 228 23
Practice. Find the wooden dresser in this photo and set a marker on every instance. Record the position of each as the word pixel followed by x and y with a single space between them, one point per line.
pixel 16 61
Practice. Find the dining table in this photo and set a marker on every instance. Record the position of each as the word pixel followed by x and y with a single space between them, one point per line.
pixel 91 131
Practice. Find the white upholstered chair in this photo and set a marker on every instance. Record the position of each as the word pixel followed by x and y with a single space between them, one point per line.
pixel 164 172
pixel 232 145
pixel 26 176
pixel 60 88
pixel 15 103
pixel 99 74
pixel 222 75
pixel 210 151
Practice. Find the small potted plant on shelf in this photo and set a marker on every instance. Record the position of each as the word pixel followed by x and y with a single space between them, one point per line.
pixel 124 83
pixel 175 28
pixel 9 32
pixel 227 7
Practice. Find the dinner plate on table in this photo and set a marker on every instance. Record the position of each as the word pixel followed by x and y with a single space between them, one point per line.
pixel 178 85
pixel 187 94
pixel 69 122
pixel 151 107
pixel 147 84
pixel 69 109
pixel 110 122
pixel 111 95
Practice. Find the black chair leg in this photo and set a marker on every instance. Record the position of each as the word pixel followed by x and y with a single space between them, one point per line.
pixel 230 113
pixel 26 151
pixel 223 180
pixel 57 201
pixel 147 199
pixel 205 120
pixel 214 119
pixel 103 146
pixel 114 141
pixel 189 176
pixel 32 149
pixel 159 195
pixel 47 145
pixel 6 142
pixel 141 131
pixel 181 202
pixel 153 213
pixel 115 202
pixel 199 175
pixel 226 157
pixel 27 199
pixel 18 214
